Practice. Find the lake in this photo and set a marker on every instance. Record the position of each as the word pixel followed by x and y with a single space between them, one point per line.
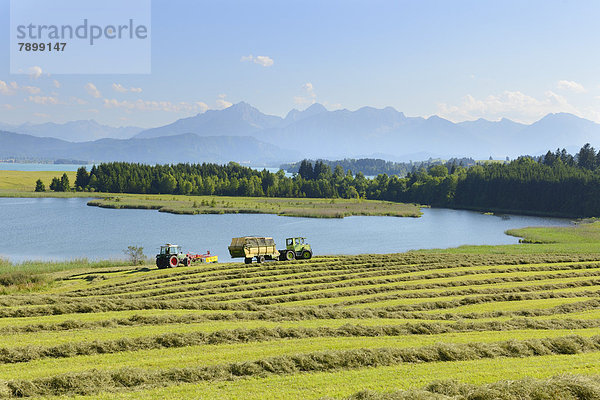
pixel 56 229
pixel 41 167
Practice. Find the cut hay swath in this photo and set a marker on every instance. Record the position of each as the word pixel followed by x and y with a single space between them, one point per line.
pixel 409 325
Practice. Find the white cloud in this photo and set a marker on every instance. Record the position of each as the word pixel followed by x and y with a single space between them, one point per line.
pixel 222 103
pixel 117 87
pixel 41 115
pixel 56 84
pixel 514 105
pixel 92 90
pixel 572 86
pixel 43 100
pixel 309 97
pixel 6 89
pixel 35 72
pixel 12 88
pixel 146 105
pixel 8 107
pixel 265 61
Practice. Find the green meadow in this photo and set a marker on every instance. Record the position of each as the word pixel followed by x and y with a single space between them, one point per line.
pixel 410 325
pixel 22 184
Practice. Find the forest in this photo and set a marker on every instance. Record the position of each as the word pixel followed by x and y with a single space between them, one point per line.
pixel 557 183
pixel 375 166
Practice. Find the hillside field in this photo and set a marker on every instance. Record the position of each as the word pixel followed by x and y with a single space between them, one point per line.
pixel 331 327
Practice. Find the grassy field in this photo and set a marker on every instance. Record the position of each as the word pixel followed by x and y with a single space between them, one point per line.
pixel 317 208
pixel 22 184
pixel 584 237
pixel 415 324
pixel 587 232
pixel 25 180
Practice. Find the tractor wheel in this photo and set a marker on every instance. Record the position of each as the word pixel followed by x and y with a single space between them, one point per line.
pixel 187 262
pixel 173 262
pixel 260 259
pixel 160 263
pixel 290 255
pixel 248 260
pixel 306 254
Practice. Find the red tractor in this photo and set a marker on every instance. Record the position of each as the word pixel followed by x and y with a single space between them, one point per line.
pixel 171 256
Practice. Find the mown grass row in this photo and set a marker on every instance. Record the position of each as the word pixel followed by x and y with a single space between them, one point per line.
pixel 292 288
pixel 417 295
pixel 26 353
pixel 90 382
pixel 240 287
pixel 197 276
pixel 219 354
pixel 308 292
pixel 279 297
pixel 94 306
pixel 113 330
pixel 369 296
pixel 562 387
pixel 364 288
pixel 324 318
pixel 346 262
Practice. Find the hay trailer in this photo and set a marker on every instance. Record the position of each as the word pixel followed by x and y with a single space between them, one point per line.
pixel 171 256
pixel 264 248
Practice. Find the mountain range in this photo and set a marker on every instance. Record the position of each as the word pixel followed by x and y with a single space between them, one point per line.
pixel 174 149
pixel 316 132
pixel 73 131
pixel 243 133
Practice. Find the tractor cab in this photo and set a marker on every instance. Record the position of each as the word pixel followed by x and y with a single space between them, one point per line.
pixel 295 247
pixel 170 249
pixel 297 244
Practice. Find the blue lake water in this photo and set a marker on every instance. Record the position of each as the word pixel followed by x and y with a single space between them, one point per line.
pixel 40 167
pixel 55 229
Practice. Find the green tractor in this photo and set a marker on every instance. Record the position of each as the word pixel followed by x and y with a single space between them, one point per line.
pixel 171 256
pixel 295 248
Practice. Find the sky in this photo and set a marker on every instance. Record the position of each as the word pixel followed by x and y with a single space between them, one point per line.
pixel 461 60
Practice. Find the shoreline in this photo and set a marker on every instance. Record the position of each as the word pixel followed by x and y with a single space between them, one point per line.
pixel 193 205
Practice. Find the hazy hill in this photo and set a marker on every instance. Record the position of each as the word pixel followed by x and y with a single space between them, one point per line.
pixel 238 120
pixel 173 149
pixel 74 131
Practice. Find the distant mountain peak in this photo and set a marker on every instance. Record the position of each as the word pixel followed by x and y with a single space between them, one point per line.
pixel 435 118
pixel 315 107
pixel 561 116
pixel 296 115
pixel 237 120
pixel 242 105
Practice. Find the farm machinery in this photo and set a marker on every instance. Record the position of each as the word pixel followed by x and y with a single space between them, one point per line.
pixel 264 248
pixel 171 256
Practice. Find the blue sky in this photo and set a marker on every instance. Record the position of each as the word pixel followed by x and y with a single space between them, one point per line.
pixel 458 59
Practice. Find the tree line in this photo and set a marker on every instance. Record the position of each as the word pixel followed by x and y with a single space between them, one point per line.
pixel 375 166
pixel 557 183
